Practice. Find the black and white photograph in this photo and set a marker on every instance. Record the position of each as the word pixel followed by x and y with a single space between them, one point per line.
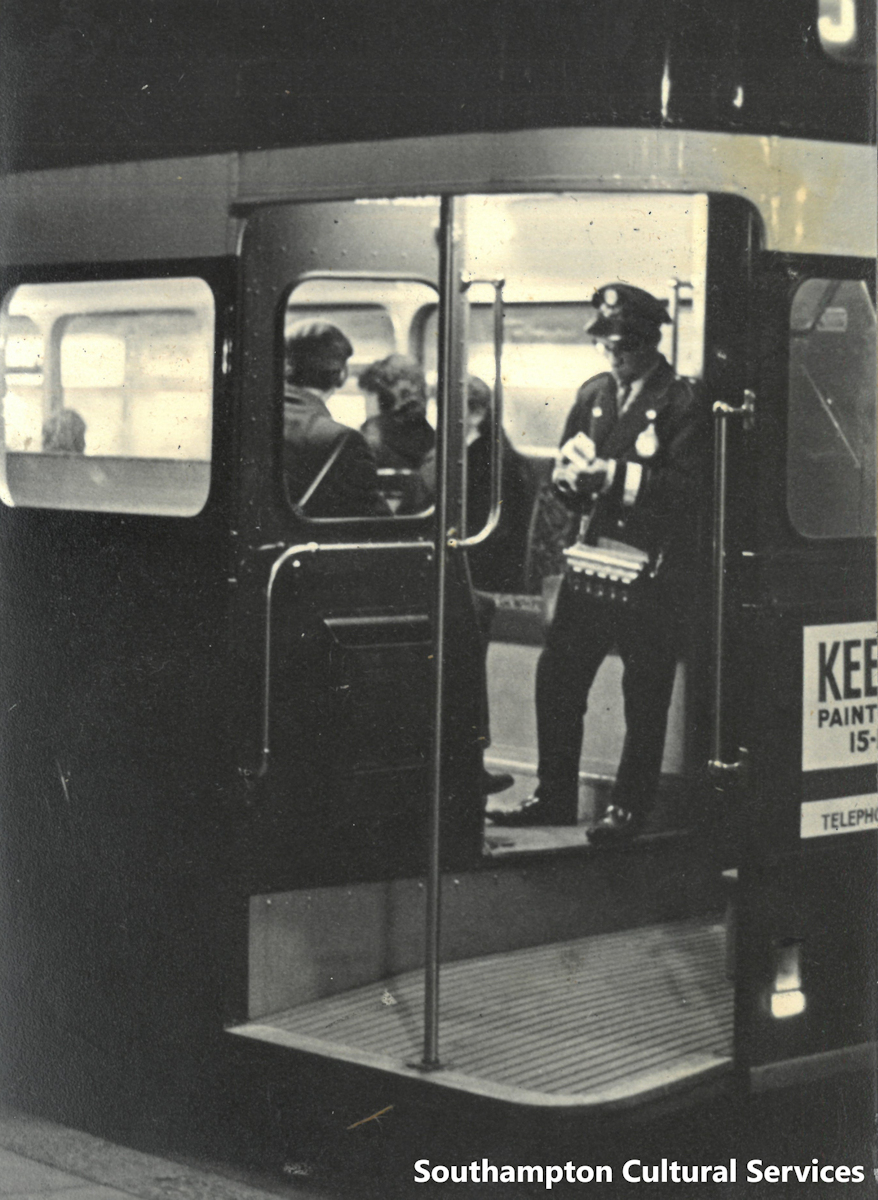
pixel 438 648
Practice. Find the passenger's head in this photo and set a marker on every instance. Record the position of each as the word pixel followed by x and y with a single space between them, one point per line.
pixel 478 403
pixel 64 433
pixel 316 356
pixel 628 325
pixel 397 382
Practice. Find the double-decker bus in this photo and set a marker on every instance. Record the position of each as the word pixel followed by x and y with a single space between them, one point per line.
pixel 250 895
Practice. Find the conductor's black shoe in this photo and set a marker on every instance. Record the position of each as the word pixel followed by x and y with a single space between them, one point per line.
pixel 492 784
pixel 533 811
pixel 617 827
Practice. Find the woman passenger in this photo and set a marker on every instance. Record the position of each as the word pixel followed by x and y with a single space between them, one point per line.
pixel 497 565
pixel 400 436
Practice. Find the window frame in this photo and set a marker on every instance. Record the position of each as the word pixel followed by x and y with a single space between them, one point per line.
pixel 797 525
pixel 391 520
pixel 220 276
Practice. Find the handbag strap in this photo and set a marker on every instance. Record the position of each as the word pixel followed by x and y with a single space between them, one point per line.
pixel 322 473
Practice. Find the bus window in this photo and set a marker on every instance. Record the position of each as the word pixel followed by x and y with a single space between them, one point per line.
pixel 545 352
pixel 831 445
pixel 358 406
pixel 553 251
pixel 107 395
pixel 376 316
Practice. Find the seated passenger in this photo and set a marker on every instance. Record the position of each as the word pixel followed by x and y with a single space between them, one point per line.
pixel 64 433
pixel 329 470
pixel 400 435
pixel 496 565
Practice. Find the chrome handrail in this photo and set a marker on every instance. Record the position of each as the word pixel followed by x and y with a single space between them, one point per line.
pixel 496 422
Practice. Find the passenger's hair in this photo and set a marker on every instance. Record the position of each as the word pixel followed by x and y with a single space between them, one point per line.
pixel 478 403
pixel 478 394
pixel 396 380
pixel 316 355
pixel 64 433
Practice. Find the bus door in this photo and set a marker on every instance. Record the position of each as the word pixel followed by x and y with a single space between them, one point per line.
pixel 796 677
pixel 334 625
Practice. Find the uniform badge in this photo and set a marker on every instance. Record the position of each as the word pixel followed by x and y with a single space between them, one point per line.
pixel 647 441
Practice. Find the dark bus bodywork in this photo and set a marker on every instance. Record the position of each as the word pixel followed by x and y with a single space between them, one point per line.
pixel 220 721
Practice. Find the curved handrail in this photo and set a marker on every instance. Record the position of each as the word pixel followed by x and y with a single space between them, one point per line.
pixel 496 424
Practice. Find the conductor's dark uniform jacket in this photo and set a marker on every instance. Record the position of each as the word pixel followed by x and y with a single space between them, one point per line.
pixel 657 442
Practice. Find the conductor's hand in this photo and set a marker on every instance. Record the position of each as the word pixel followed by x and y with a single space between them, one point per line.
pixel 578 471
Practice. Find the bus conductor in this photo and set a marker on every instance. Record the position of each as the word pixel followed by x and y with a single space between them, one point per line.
pixel 630 465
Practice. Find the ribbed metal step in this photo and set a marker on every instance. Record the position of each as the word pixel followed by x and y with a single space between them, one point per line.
pixel 602 1020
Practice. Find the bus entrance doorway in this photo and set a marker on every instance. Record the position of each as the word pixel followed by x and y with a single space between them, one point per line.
pixel 336 942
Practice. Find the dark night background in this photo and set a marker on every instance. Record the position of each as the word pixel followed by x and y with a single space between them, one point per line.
pixel 88 80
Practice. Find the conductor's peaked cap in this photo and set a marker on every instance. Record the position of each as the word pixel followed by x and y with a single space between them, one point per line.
pixel 623 310
pixel 318 344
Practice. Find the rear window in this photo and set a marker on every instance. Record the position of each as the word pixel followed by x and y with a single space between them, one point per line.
pixel 107 391
pixel 832 400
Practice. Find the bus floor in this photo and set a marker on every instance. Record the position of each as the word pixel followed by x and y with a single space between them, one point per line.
pixel 594 1022
pixel 670 815
pixel 513 749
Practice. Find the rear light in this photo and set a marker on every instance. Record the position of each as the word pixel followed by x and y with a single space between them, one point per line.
pixel 787 997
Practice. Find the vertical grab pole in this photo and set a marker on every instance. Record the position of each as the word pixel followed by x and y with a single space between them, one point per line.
pixel 674 315
pixel 497 430
pixel 451 367
pixel 720 475
pixel 676 288
pixel 717 765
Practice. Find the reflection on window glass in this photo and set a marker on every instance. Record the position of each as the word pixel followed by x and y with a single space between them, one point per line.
pixel 831 446
pixel 107 395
